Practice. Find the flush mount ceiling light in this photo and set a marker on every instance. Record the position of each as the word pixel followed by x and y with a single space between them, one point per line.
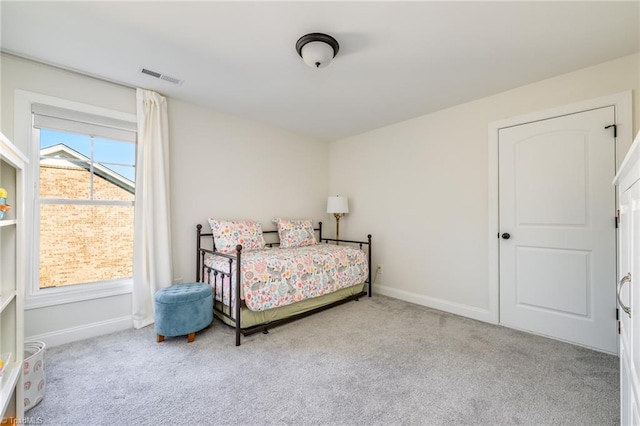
pixel 317 49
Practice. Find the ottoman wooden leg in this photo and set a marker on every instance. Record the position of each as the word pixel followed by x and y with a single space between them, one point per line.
pixel 160 338
pixel 191 337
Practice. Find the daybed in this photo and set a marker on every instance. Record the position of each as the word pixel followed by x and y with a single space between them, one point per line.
pixel 291 277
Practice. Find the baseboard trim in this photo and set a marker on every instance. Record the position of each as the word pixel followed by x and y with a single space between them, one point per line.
pixel 435 303
pixel 86 331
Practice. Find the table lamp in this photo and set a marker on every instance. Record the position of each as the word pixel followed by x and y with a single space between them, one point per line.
pixel 339 206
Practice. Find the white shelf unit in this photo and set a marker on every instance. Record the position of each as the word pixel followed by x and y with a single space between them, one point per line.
pixel 12 276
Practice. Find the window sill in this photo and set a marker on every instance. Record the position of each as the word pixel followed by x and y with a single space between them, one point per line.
pixel 76 293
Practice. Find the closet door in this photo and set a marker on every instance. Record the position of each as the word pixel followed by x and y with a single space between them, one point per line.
pixel 624 300
pixel 634 284
pixel 628 288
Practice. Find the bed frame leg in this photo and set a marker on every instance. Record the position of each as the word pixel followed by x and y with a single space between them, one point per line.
pixel 265 331
pixel 238 318
pixel 369 288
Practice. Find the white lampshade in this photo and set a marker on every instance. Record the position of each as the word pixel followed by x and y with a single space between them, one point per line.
pixel 317 54
pixel 337 204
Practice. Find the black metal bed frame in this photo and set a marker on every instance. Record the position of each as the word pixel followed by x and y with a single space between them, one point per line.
pixel 234 315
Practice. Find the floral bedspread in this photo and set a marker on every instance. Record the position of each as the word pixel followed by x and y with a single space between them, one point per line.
pixel 275 277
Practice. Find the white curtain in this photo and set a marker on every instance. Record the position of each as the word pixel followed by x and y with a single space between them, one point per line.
pixel 152 237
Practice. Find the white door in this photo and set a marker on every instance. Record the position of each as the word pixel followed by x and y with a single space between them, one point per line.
pixel 634 273
pixel 629 299
pixel 628 373
pixel 557 228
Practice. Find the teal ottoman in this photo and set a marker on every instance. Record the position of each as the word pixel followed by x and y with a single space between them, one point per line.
pixel 183 309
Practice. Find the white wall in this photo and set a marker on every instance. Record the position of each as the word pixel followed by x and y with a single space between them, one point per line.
pixel 230 168
pixel 26 75
pixel 58 324
pixel 221 166
pixel 421 187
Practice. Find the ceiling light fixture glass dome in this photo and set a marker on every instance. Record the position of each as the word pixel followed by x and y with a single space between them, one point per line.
pixel 317 49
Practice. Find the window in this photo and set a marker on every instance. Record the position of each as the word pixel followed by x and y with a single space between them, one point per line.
pixel 86 194
pixel 83 198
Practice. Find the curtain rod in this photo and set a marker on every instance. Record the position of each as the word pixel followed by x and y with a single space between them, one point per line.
pixel 63 68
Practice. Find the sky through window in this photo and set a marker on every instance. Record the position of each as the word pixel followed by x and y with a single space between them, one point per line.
pixel 118 156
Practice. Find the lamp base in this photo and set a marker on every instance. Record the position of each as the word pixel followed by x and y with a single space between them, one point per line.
pixel 338 216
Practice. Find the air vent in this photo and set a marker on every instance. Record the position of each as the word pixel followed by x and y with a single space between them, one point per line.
pixel 161 76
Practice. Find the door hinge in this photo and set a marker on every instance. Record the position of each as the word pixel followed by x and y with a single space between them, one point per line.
pixel 615 129
pixel 619 328
pixel 617 217
pixel 617 314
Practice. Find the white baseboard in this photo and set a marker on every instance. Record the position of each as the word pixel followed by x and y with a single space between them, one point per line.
pixel 82 332
pixel 435 303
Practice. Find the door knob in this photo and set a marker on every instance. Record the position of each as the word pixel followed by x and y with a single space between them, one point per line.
pixel 506 236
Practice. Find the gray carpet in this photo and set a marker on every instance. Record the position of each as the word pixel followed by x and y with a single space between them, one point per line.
pixel 376 361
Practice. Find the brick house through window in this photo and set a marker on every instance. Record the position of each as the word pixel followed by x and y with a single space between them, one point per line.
pixel 80 242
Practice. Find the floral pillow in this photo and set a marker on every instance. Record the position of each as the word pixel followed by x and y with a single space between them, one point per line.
pixel 295 233
pixel 227 234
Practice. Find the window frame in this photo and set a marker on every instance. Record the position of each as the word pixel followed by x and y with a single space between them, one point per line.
pixel 27 135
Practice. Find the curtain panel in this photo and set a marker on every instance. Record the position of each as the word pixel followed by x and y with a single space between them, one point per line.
pixel 152 268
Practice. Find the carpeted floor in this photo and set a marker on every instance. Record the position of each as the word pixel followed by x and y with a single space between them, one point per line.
pixel 379 361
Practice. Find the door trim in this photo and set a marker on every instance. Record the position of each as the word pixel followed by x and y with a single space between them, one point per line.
pixel 624 120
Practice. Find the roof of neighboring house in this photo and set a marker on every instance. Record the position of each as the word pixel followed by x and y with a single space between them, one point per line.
pixel 63 156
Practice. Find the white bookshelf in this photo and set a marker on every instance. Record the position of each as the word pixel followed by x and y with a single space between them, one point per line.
pixel 12 273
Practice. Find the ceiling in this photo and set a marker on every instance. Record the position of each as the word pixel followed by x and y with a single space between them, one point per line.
pixel 397 60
